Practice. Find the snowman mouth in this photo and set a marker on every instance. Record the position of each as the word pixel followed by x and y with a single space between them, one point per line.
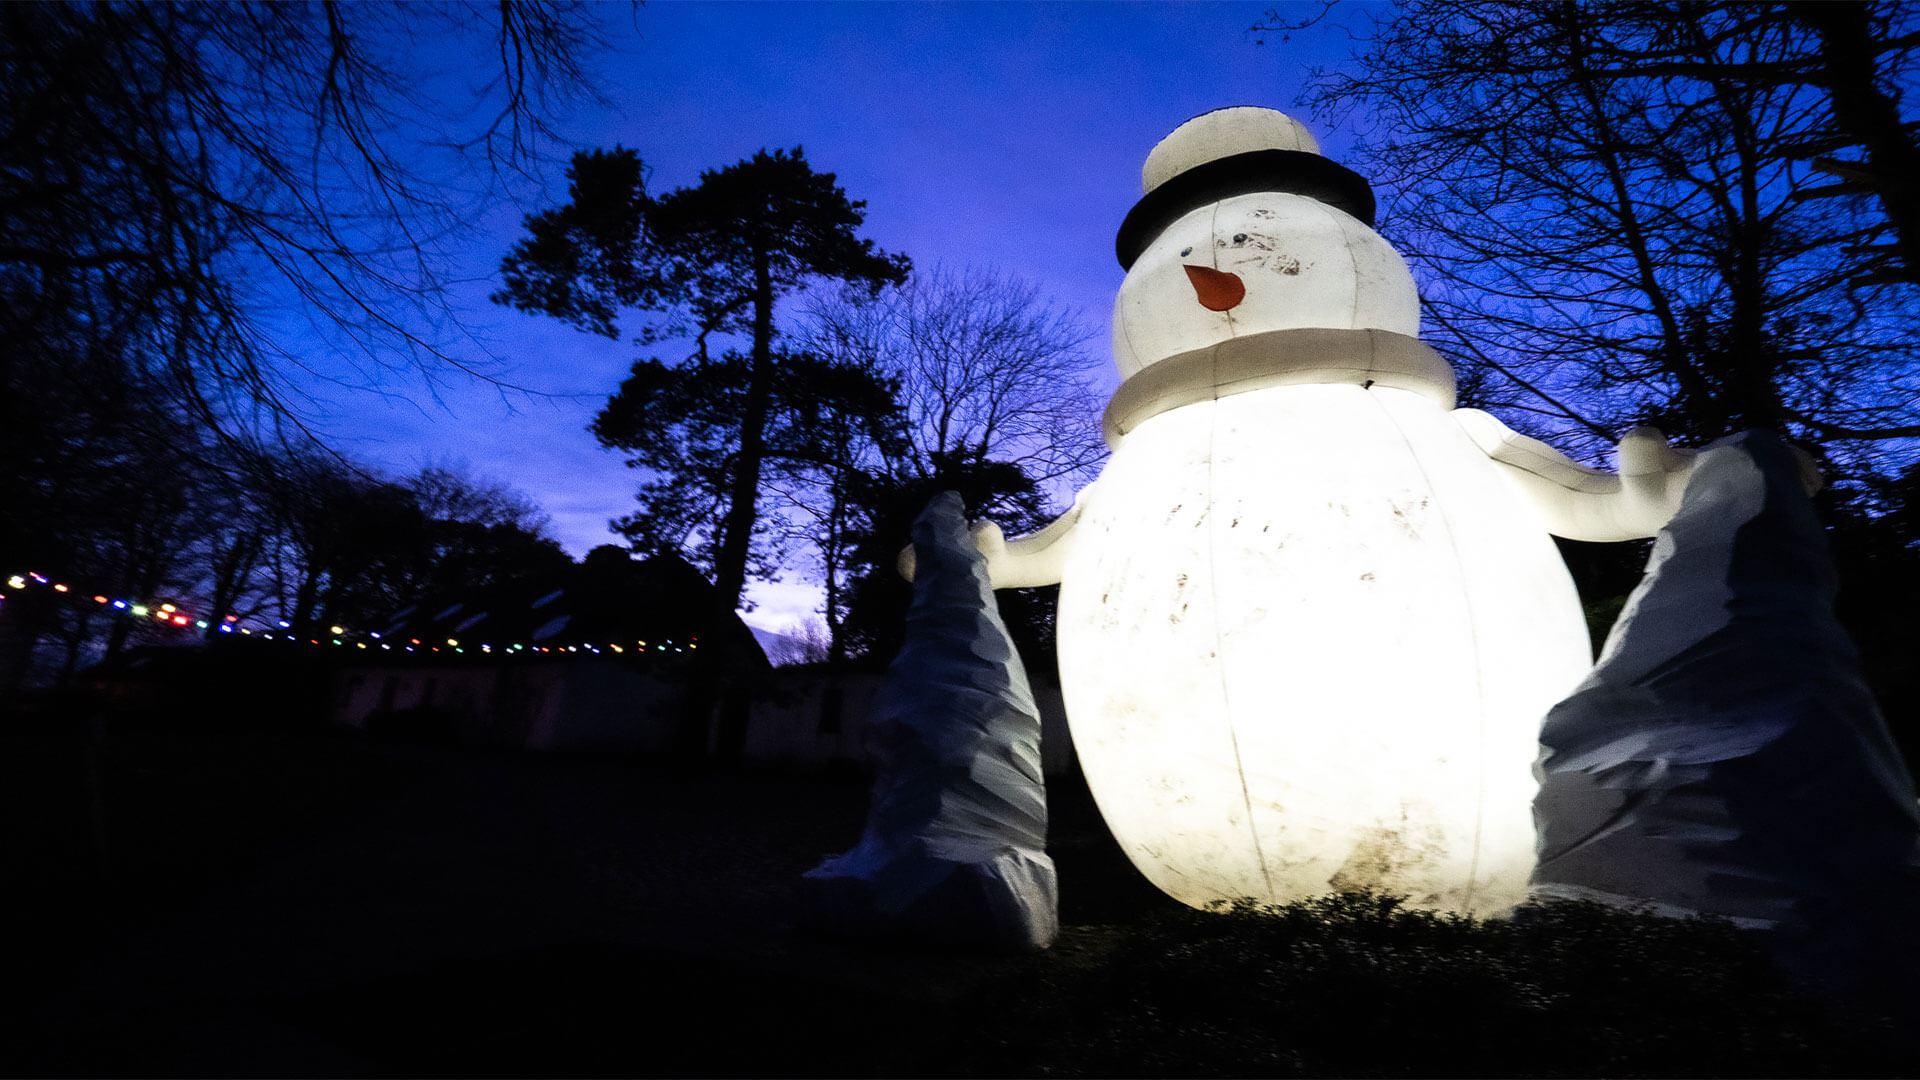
pixel 1217 290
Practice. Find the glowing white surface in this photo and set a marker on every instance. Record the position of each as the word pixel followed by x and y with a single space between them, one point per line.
pixel 1301 655
pixel 1310 620
pixel 1221 133
pixel 1304 263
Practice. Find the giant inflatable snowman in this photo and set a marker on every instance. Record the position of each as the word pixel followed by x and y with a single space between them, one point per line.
pixel 1310 615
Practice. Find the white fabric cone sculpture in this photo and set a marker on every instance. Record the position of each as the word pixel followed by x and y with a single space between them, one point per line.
pixel 1726 756
pixel 954 848
pixel 1310 615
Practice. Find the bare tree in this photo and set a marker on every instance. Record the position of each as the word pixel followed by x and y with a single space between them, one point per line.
pixel 1863 58
pixel 446 493
pixel 192 195
pixel 988 370
pixel 1617 218
pixel 994 383
pixel 477 533
pixel 803 642
pixel 347 546
pixel 177 171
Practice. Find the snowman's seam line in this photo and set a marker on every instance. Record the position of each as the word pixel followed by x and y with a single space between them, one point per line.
pixel 1219 650
pixel 1473 631
pixel 1353 265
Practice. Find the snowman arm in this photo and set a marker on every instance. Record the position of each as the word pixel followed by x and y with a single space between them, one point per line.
pixel 1586 504
pixel 1033 559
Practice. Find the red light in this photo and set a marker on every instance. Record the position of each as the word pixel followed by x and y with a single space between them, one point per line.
pixel 179 620
pixel 233 618
pixel 99 599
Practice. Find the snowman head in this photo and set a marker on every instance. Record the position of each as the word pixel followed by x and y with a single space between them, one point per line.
pixel 1243 229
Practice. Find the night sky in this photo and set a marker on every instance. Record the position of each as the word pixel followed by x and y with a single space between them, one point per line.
pixel 1007 136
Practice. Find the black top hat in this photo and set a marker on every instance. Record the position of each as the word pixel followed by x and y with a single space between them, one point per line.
pixel 1258 168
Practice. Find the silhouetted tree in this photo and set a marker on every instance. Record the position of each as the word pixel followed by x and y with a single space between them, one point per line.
pixel 344 540
pixel 477 534
pixel 712 259
pixel 1612 208
pixel 178 179
pixel 349 547
pixel 103 488
pixel 1864 59
pixel 874 624
pixel 851 418
pixel 993 382
pixel 988 370
pixel 181 169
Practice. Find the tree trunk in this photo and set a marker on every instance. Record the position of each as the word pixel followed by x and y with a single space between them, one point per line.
pixel 305 600
pixel 230 576
pixel 1850 71
pixel 736 539
pixel 835 551
pixel 736 534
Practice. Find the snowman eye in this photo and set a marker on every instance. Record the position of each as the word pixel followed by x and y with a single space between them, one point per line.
pixel 1186 251
pixel 1239 238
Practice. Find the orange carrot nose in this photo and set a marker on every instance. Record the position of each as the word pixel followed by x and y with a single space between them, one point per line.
pixel 1218 290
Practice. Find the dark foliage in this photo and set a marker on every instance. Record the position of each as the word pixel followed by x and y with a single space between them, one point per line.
pixel 875 624
pixel 180 178
pixel 1604 575
pixel 1357 985
pixel 1875 535
pixel 992 381
pixel 682 426
pixel 696 255
pixel 351 548
pixel 710 259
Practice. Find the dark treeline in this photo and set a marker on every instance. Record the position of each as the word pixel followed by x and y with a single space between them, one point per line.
pixel 838 416
pixel 301 542
pixel 198 203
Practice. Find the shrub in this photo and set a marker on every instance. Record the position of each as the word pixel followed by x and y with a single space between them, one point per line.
pixel 1356 984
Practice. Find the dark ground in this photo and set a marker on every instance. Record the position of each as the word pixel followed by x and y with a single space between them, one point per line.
pixel 309 904
pixel 302 903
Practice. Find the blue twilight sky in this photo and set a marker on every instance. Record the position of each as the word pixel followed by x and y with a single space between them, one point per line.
pixel 996 135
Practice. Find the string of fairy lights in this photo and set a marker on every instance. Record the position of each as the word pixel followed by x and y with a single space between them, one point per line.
pixel 168 613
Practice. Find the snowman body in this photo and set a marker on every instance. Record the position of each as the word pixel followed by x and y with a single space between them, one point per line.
pixel 1307 629
pixel 1305 648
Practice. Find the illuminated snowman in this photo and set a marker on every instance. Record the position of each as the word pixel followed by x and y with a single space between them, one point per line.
pixel 1310 614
